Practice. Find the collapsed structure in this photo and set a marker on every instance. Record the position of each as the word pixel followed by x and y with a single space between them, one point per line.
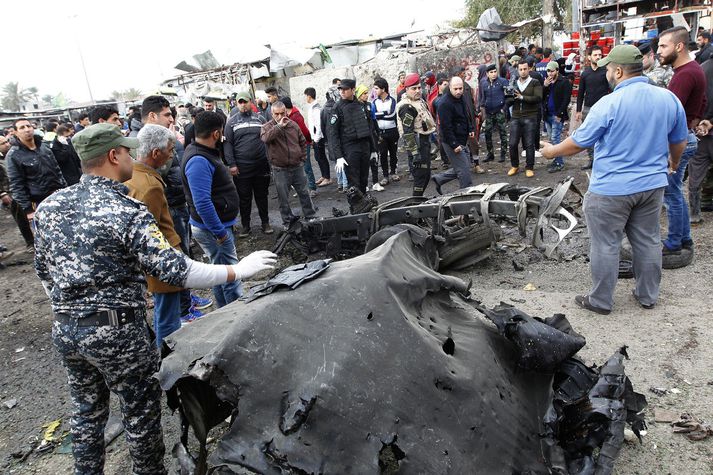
pixel 381 364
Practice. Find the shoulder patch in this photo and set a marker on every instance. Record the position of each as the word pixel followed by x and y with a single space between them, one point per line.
pixel 333 120
pixel 156 233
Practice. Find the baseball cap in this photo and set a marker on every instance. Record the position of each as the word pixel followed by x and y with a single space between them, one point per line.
pixel 412 79
pixel 96 140
pixel 242 95
pixel 515 59
pixel 645 48
pixel 553 66
pixel 347 84
pixel 622 54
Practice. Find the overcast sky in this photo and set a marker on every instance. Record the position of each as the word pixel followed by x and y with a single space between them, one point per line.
pixel 131 43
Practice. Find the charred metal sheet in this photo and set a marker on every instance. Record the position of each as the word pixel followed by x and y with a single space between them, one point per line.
pixel 381 364
pixel 475 207
pixel 290 277
pixel 378 362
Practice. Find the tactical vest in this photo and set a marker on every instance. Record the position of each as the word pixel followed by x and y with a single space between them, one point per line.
pixel 223 193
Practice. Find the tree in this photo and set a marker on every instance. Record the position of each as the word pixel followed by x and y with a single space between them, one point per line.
pixel 48 99
pixel 132 94
pixel 116 96
pixel 514 11
pixel 13 98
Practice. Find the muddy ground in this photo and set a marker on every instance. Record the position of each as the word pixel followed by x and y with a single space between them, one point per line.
pixel 669 345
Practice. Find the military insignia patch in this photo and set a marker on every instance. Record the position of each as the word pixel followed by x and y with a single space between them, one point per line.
pixel 333 120
pixel 156 233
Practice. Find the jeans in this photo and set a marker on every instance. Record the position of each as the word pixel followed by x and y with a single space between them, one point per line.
pixel 311 182
pixel 527 129
pixel 166 314
pixel 179 215
pixel 248 188
pixel 342 179
pixel 608 218
pixel 460 168
pixel 679 225
pixel 292 177
pixel 554 130
pixel 223 253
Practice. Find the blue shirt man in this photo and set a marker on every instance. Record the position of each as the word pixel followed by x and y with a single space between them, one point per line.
pixel 631 162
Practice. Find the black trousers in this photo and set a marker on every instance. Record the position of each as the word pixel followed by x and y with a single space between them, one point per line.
pixel 320 155
pixel 357 156
pixel 421 165
pixel 388 146
pixel 526 129
pixel 248 188
pixel 18 214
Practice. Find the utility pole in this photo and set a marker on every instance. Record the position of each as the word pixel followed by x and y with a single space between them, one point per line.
pixel 548 11
pixel 576 20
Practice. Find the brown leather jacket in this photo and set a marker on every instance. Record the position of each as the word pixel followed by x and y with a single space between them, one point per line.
pixel 285 145
pixel 146 185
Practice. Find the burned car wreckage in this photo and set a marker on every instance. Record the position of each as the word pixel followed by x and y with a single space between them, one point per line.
pixel 382 364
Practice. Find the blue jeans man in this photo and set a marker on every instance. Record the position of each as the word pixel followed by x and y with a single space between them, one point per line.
pixel 220 253
pixel 554 126
pixel 311 182
pixel 166 314
pixel 679 224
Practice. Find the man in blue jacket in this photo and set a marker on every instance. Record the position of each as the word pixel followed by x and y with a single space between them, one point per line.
pixel 492 102
pixel 212 200
pixel 557 92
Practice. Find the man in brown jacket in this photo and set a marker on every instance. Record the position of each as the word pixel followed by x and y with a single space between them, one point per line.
pixel 156 144
pixel 286 153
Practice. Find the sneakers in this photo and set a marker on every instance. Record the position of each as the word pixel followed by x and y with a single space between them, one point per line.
pixel 478 170
pixel 555 167
pixel 384 182
pixel 538 154
pixel 199 303
pixel 193 315
pixel 513 171
pixel 377 187
pixel 529 173
pixel 583 301
pixel 267 229
pixel 244 232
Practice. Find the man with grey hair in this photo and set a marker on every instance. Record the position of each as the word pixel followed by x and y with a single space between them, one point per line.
pixel 286 152
pixel 156 145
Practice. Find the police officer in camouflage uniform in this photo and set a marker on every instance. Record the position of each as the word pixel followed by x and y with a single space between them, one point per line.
pixel 658 75
pixel 93 245
pixel 416 124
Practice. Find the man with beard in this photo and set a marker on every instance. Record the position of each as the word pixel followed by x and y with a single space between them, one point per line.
pixel 699 166
pixel 593 85
pixel 689 85
pixel 628 180
pixel 525 124
pixel 705 49
pixel 658 75
pixel 456 129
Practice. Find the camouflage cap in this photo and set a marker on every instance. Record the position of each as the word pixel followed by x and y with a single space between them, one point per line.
pixel 98 139
pixel 622 54
pixel 243 95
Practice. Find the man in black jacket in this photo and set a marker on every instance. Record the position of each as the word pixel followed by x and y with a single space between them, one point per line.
pixel 6 198
pixel 456 129
pixel 593 85
pixel 246 157
pixel 469 100
pixel 32 169
pixel 66 157
pixel 557 93
pixel 351 137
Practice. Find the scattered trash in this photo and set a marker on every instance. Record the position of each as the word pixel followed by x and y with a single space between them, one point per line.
pixel 529 287
pixel 692 427
pixel 517 300
pixel 517 265
pixel 50 429
pixel 65 446
pixel 10 403
pixel 19 350
pixel 687 382
pixel 18 359
pixel 629 436
pixel 659 391
pixel 664 415
pixel 675 391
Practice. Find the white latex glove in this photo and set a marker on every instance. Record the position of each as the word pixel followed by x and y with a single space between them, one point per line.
pixel 254 263
pixel 374 155
pixel 341 163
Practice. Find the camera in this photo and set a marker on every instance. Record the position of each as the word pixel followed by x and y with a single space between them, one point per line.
pixel 509 91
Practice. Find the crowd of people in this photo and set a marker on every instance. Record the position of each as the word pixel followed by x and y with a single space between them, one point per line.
pixel 110 205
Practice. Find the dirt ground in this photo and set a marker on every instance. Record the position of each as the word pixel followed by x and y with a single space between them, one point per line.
pixel 669 345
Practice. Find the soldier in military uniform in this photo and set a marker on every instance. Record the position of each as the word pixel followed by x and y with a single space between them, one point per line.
pixel 93 245
pixel 416 124
pixel 351 137
pixel 658 75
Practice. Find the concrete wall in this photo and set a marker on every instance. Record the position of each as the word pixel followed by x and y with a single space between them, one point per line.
pixel 321 80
